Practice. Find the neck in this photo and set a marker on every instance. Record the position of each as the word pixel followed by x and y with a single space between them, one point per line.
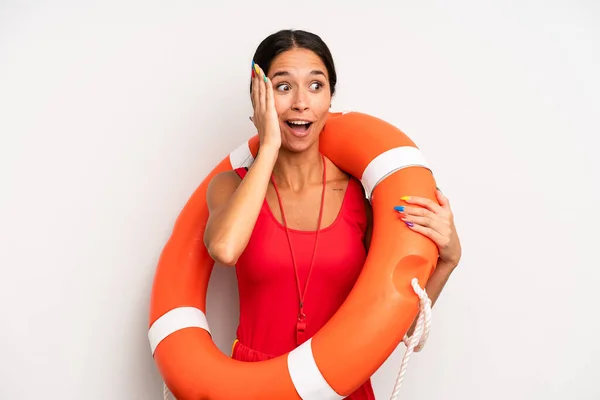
pixel 295 171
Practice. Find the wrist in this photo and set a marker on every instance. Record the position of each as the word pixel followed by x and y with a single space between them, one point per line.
pixel 268 150
pixel 265 160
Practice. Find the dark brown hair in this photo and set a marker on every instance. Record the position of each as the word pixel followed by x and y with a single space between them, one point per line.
pixel 288 39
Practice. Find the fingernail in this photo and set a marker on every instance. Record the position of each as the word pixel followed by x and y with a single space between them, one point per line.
pixel 253 74
pixel 399 208
pixel 256 68
pixel 265 78
pixel 409 223
pixel 404 198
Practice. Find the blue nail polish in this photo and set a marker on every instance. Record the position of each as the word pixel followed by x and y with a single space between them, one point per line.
pixel 399 208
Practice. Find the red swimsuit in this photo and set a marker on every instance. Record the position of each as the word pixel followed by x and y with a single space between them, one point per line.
pixel 268 291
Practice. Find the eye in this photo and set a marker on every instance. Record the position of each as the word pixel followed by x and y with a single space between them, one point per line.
pixel 316 85
pixel 283 87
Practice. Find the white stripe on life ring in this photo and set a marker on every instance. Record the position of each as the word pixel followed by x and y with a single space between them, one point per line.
pixel 306 377
pixel 389 162
pixel 174 320
pixel 241 157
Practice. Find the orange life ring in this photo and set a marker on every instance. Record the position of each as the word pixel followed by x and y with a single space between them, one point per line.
pixel 365 330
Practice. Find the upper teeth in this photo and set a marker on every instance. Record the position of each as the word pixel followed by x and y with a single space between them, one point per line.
pixel 299 122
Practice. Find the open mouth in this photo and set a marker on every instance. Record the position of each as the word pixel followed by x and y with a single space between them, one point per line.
pixel 298 126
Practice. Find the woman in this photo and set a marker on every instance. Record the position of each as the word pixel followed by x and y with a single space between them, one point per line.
pixel 296 227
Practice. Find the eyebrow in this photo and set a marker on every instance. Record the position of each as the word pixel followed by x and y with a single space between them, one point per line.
pixel 285 73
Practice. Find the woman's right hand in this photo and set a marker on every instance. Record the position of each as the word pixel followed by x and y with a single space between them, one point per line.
pixel 234 205
pixel 265 117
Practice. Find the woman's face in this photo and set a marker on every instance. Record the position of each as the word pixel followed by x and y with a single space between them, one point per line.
pixel 302 97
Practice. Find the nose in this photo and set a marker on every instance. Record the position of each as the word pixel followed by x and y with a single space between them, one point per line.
pixel 300 101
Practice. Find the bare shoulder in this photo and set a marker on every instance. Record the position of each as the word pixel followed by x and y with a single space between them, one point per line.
pixel 225 178
pixel 221 187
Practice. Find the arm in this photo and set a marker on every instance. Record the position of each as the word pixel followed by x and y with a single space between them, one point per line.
pixel 234 207
pixel 438 279
pixel 436 222
pixel 435 285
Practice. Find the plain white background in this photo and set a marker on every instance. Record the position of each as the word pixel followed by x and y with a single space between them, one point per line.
pixel 112 114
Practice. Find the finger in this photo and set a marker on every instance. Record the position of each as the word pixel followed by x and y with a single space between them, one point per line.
pixel 422 201
pixel 419 211
pixel 423 216
pixel 254 88
pixel 262 89
pixel 270 102
pixel 433 222
pixel 435 236
pixel 441 222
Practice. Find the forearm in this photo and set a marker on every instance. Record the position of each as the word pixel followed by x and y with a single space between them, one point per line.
pixel 435 285
pixel 438 280
pixel 228 232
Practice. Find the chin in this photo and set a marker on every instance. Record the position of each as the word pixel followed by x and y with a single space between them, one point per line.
pixel 294 145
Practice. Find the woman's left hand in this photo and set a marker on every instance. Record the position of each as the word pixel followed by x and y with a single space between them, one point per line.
pixel 436 222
